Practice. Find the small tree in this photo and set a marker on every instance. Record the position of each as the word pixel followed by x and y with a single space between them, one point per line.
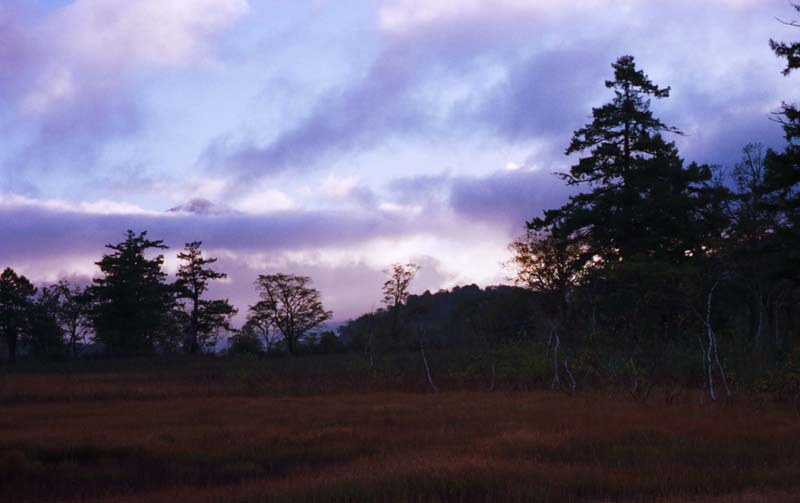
pixel 395 294
pixel 16 301
pixel 206 317
pixel 290 306
pixel 245 342
pixel 259 325
pixel 44 336
pixel 395 289
pixel 73 310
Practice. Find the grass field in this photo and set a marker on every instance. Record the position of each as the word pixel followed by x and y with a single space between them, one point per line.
pixel 225 432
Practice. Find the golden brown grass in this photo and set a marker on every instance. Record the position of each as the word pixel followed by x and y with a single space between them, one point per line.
pixel 152 437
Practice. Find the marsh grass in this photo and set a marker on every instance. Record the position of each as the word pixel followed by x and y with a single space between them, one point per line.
pixel 214 431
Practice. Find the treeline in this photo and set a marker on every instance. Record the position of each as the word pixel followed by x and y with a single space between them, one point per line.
pixel 132 310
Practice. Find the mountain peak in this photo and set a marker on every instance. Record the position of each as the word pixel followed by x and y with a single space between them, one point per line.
pixel 199 206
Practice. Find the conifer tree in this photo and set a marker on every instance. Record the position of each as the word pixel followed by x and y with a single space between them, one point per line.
pixel 206 317
pixel 16 302
pixel 133 304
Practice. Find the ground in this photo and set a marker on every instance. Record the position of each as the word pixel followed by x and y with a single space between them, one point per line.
pixel 162 435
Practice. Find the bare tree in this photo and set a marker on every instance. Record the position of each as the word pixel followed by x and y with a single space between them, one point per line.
pixel 395 289
pixel 711 351
pixel 73 313
pixel 292 307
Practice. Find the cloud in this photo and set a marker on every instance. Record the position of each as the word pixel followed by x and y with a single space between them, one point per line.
pixel 70 76
pixel 521 71
pixel 504 199
pixel 459 229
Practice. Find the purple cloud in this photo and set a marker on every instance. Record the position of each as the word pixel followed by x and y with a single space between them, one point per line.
pixel 69 77
pixel 551 78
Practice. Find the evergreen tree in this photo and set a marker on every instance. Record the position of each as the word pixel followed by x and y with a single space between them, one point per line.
pixel 782 170
pixel 16 303
pixel 206 317
pixel 640 205
pixel 638 227
pixel 133 304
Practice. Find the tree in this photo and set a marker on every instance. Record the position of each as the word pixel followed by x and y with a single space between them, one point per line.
pixel 395 294
pixel 206 317
pixel 133 304
pixel 552 265
pixel 290 306
pixel 751 245
pixel 641 198
pixel 639 219
pixel 395 289
pixel 16 301
pixel 44 336
pixel 73 313
pixel 259 324
pixel 782 169
pixel 245 342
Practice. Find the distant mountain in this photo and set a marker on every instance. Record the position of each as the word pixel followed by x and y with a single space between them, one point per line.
pixel 200 206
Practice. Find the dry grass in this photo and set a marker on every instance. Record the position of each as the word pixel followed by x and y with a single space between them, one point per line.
pixel 156 437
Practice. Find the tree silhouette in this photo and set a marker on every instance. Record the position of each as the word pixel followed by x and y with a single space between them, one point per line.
pixel 133 304
pixel 73 313
pixel 290 306
pixel 16 301
pixel 640 203
pixel 206 317
pixel 782 170
pixel 395 289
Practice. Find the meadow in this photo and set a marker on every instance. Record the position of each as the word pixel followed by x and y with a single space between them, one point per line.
pixel 226 430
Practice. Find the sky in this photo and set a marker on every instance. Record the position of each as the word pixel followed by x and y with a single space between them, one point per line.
pixel 338 137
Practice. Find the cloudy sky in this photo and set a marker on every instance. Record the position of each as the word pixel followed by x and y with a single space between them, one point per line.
pixel 337 137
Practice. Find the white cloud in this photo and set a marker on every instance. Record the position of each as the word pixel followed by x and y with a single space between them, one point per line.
pixel 92 45
pixel 339 187
pixel 406 15
pixel 100 207
pixel 148 32
pixel 401 16
pixel 265 201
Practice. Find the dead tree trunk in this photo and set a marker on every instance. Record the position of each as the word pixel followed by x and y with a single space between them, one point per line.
pixel 572 384
pixel 556 382
pixel 421 341
pixel 712 352
pixel 427 368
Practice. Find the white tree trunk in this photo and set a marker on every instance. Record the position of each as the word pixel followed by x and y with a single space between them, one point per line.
pixel 427 368
pixel 713 352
